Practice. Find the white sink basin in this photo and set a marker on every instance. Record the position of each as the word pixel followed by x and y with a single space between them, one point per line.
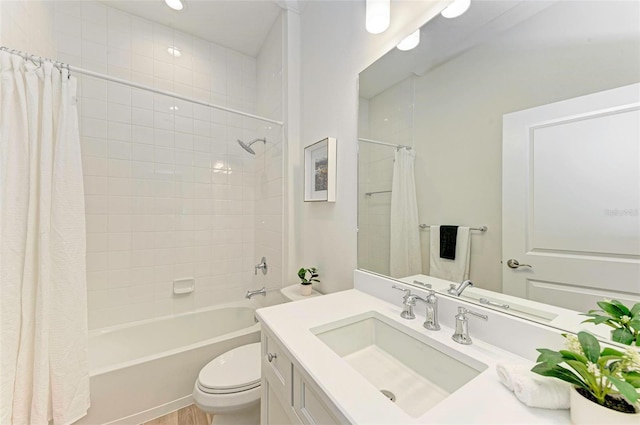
pixel 419 371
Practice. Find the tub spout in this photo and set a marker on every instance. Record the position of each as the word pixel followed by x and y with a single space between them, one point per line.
pixel 261 291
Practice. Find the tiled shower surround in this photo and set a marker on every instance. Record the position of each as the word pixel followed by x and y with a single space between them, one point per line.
pixel 169 192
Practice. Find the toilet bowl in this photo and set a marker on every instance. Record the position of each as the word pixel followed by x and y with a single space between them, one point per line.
pixel 228 387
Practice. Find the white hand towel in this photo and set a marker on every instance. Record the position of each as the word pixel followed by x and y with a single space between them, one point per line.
pixel 507 372
pixel 454 270
pixel 532 389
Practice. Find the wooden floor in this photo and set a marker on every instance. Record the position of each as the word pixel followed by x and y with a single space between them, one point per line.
pixel 189 415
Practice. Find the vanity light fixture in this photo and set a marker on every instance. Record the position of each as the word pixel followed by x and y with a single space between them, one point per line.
pixel 410 42
pixel 377 16
pixel 175 4
pixel 174 51
pixel 456 8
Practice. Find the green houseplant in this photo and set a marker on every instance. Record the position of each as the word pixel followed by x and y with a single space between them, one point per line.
pixel 624 321
pixel 607 378
pixel 307 277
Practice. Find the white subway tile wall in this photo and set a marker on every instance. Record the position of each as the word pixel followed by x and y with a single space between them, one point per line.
pixel 169 192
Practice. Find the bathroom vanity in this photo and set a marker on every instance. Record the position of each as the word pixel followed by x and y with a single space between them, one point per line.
pixel 327 360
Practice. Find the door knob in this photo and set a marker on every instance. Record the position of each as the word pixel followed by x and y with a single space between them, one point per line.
pixel 514 264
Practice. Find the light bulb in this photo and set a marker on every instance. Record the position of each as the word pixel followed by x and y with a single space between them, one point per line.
pixel 410 41
pixel 378 16
pixel 175 4
pixel 455 9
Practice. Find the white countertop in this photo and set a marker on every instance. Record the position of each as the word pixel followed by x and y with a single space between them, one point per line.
pixel 484 400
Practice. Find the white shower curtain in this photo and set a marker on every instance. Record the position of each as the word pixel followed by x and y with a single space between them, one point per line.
pixel 405 257
pixel 43 298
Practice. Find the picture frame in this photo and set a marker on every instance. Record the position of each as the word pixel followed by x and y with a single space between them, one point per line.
pixel 320 171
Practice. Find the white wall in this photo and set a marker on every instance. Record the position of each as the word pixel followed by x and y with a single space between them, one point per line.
pixel 335 48
pixel 28 26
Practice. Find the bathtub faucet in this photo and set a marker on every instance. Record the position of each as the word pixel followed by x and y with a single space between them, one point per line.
pixel 261 291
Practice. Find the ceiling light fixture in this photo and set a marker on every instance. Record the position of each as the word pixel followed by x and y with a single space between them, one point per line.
pixel 378 16
pixel 410 42
pixel 175 4
pixel 174 51
pixel 456 8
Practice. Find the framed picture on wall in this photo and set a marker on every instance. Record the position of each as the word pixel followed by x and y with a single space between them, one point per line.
pixel 320 171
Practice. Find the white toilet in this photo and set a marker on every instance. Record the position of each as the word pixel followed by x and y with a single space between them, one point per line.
pixel 229 387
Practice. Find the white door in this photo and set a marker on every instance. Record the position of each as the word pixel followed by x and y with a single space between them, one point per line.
pixel 571 200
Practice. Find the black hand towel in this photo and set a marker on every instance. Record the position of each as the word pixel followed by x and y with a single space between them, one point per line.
pixel 448 238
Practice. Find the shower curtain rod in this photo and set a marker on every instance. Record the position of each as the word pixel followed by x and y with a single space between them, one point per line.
pixel 71 68
pixel 376 142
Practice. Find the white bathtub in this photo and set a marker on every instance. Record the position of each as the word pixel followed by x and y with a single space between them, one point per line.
pixel 143 370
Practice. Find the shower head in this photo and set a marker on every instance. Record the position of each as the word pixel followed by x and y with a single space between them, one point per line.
pixel 247 146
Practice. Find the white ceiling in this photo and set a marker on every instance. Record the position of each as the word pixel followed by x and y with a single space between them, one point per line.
pixel 241 25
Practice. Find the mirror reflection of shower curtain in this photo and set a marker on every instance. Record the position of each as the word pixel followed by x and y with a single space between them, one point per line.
pixel 405 256
pixel 45 371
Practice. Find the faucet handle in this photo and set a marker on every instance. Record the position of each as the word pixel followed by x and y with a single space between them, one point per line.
pixel 462 311
pixel 406 291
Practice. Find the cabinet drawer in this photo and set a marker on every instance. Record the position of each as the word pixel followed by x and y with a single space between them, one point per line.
pixel 277 368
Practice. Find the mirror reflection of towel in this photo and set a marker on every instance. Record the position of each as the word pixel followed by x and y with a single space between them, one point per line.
pixel 454 270
pixel 448 239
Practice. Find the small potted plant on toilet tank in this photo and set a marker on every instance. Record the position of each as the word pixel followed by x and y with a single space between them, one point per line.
pixel 307 277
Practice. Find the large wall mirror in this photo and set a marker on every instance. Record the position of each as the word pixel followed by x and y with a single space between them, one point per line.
pixel 520 120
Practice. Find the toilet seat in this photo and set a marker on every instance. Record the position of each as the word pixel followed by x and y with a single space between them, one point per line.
pixel 235 371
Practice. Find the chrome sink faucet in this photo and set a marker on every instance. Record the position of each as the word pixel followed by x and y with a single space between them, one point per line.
pixel 457 291
pixel 461 335
pixel 408 301
pixel 431 321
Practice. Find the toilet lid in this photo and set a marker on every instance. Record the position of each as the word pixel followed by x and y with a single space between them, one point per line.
pixel 236 370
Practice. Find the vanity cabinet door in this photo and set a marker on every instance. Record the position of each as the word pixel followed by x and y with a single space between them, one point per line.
pixel 277 397
pixel 273 410
pixel 308 405
pixel 276 367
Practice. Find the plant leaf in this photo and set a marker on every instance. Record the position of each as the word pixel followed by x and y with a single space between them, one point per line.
pixel 613 310
pixel 590 346
pixel 635 310
pixel 627 390
pixel 559 373
pixel 635 382
pixel 570 355
pixel 622 335
pixel 549 357
pixel 608 351
pixel 635 323
pixel 587 376
pixel 623 308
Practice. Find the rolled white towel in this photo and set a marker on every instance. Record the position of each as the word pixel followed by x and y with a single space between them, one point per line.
pixel 541 391
pixel 508 371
